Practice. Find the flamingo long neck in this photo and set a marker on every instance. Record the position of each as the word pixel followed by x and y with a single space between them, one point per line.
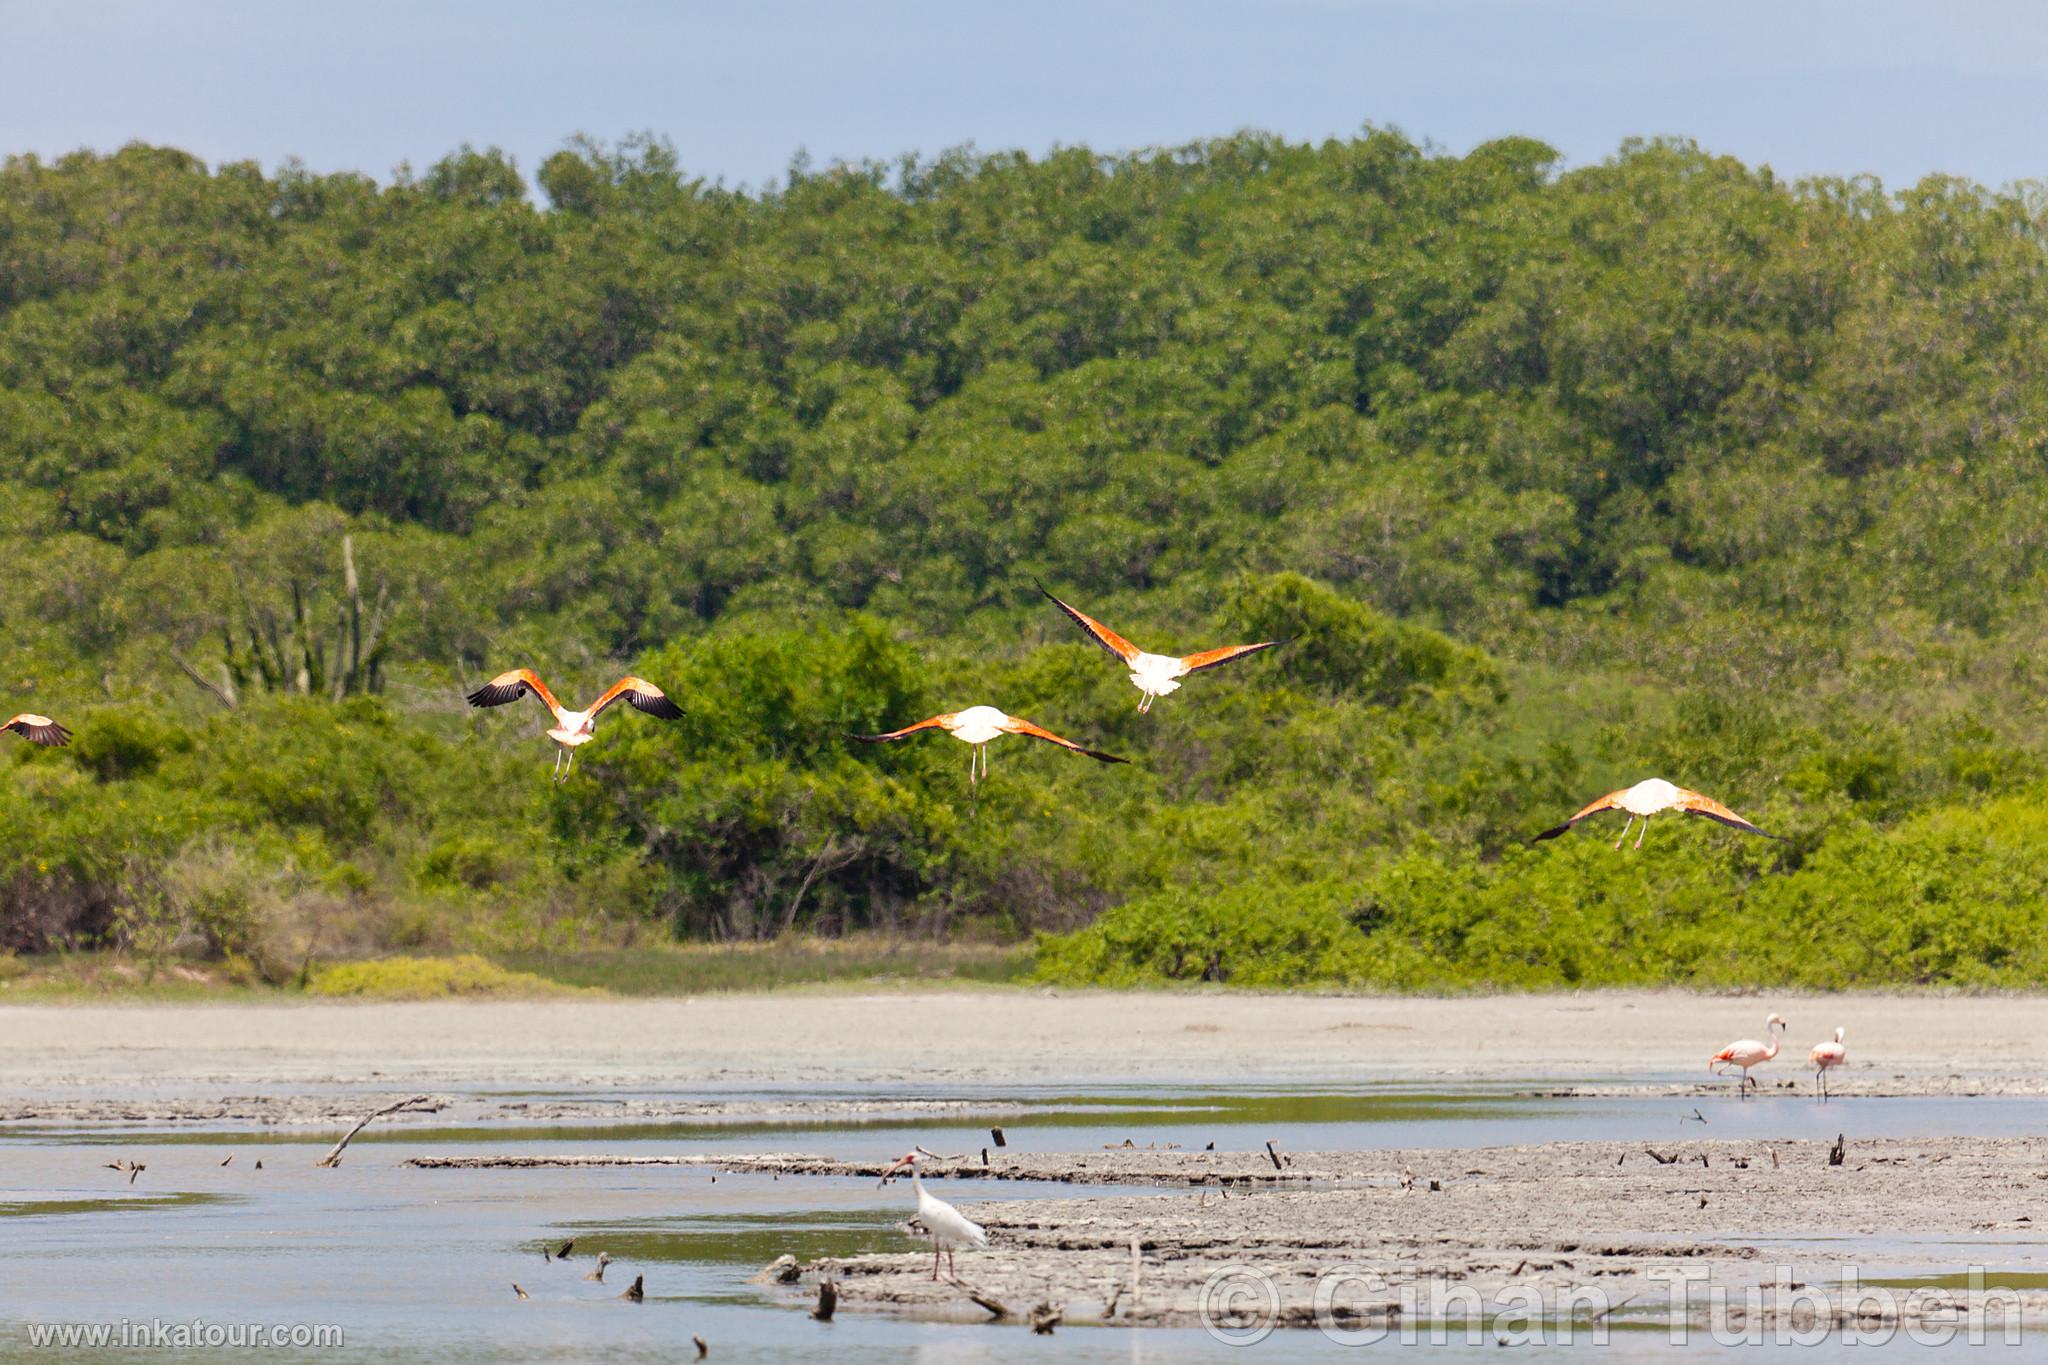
pixel 1771 1048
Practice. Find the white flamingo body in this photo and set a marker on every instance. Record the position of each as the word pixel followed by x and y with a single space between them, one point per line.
pixel 1748 1052
pixel 1648 797
pixel 572 728
pixel 978 725
pixel 950 1229
pixel 1825 1057
pixel 1157 675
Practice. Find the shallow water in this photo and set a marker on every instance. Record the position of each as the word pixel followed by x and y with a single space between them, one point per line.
pixel 424 1261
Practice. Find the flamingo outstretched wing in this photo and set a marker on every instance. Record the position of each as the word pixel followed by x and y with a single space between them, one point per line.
pixel 1611 801
pixel 1019 726
pixel 510 687
pixel 644 696
pixel 935 723
pixel 1102 635
pixel 1210 658
pixel 1692 803
pixel 38 729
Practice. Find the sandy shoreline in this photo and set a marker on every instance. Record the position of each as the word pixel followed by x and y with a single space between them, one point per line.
pixel 1002 1035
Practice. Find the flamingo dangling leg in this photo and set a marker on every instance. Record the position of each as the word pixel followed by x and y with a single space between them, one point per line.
pixel 1642 831
pixel 1624 831
pixel 935 1260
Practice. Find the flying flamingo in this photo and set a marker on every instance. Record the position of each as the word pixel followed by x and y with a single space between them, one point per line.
pixel 948 1226
pixel 1648 798
pixel 1749 1052
pixel 1154 675
pixel 977 725
pixel 1827 1055
pixel 38 730
pixel 573 727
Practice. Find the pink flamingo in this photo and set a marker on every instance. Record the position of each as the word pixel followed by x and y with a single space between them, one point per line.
pixel 1749 1052
pixel 1827 1055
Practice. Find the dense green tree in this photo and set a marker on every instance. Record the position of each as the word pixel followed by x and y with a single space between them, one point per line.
pixel 1554 478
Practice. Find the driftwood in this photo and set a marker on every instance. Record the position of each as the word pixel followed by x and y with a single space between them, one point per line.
pixel 636 1291
pixel 988 1303
pixel 702 1349
pixel 1047 1316
pixel 1838 1152
pixel 828 1300
pixel 1274 1153
pixel 333 1158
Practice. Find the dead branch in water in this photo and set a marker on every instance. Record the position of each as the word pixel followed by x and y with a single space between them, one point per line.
pixel 333 1158
pixel 994 1307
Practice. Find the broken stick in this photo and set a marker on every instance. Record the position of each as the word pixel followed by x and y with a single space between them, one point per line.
pixel 333 1158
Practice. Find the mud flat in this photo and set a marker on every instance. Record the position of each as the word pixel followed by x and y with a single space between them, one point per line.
pixel 1012 1034
pixel 442 1110
pixel 1586 1228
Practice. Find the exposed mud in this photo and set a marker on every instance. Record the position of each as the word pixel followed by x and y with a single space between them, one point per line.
pixel 1610 1223
pixel 287 1110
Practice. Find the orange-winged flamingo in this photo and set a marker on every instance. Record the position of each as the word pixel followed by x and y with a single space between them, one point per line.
pixel 948 1226
pixel 1826 1055
pixel 38 729
pixel 1749 1052
pixel 977 725
pixel 1154 675
pixel 572 728
pixel 1648 798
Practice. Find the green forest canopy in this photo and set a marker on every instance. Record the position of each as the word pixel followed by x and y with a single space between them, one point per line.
pixel 1563 478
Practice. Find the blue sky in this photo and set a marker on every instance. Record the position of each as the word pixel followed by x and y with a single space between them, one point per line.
pixel 1810 86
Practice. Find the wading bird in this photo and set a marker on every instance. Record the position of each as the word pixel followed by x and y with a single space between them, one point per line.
pixel 1748 1053
pixel 572 728
pixel 948 1226
pixel 1826 1055
pixel 1154 675
pixel 38 729
pixel 1649 798
pixel 977 725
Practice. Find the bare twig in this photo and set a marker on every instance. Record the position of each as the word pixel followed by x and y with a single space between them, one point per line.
pixel 333 1158
pixel 221 695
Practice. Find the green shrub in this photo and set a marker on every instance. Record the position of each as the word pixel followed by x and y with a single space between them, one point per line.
pixel 1256 934
pixel 426 978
